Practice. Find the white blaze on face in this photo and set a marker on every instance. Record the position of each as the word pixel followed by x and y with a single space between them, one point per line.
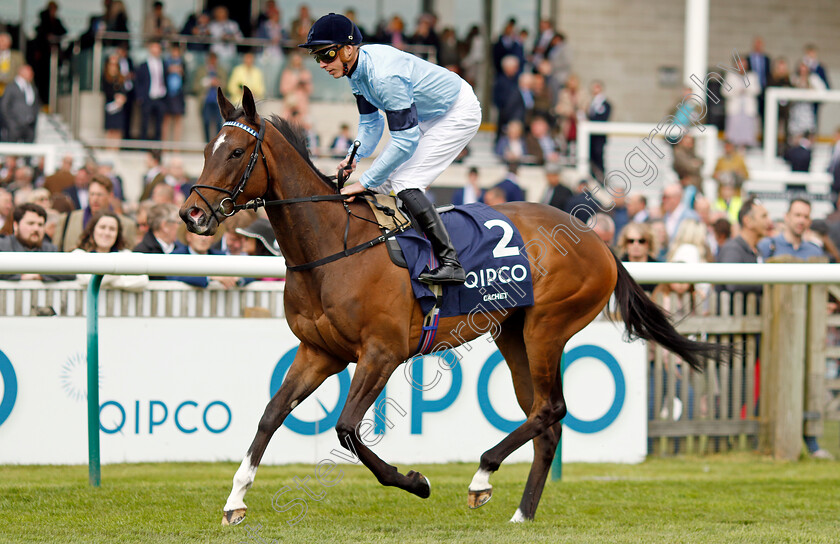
pixel 219 141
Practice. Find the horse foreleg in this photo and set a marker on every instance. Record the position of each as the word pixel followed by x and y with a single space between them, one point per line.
pixel 368 382
pixel 308 371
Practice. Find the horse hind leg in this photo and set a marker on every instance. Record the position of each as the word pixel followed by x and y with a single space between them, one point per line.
pixel 308 371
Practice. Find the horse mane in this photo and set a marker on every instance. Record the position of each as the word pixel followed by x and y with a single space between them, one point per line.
pixel 294 134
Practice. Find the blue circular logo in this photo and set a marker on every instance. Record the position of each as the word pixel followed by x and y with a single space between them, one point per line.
pixel 7 373
pixel 595 352
pixel 309 427
pixel 493 417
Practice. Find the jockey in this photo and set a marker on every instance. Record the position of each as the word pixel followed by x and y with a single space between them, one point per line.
pixel 432 115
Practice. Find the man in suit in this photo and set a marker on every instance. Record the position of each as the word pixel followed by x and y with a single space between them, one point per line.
pixel 471 192
pixel 759 62
pixel 78 192
pixel 799 154
pixel 508 44
pixel 100 198
pixel 510 184
pixel 162 236
pixel 150 91
pixel 19 107
pixel 557 194
pixel 599 110
pixel 506 94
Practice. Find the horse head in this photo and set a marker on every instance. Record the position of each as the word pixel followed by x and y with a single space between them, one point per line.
pixel 232 174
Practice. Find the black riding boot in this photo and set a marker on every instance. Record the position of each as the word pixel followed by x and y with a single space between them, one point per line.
pixel 450 270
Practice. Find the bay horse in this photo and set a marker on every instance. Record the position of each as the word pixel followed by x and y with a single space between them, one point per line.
pixel 361 308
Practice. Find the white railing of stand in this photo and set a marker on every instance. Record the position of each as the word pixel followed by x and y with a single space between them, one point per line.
pixel 771 112
pixel 49 152
pixel 707 140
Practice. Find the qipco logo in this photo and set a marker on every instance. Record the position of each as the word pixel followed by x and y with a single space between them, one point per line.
pixel 7 376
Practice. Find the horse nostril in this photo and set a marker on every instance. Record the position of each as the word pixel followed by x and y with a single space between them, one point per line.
pixel 196 214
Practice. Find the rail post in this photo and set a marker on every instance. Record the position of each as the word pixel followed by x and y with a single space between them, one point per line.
pixel 94 466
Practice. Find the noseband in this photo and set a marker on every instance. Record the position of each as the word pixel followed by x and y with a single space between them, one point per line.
pixel 227 206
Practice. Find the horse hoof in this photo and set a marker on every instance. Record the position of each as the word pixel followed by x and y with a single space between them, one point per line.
pixel 421 485
pixel 233 517
pixel 477 499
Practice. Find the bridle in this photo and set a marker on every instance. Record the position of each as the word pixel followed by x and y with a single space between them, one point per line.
pixel 228 206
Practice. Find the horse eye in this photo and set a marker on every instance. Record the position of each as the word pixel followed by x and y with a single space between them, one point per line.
pixel 237 153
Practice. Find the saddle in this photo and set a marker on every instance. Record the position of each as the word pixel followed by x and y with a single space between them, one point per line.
pixel 390 216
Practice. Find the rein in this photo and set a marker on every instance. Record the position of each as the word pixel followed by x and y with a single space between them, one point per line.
pixel 228 205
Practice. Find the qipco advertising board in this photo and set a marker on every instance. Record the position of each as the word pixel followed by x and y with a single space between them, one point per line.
pixel 195 389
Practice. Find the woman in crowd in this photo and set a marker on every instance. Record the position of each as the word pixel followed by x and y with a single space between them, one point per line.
pixel 114 88
pixel 103 234
pixel 635 245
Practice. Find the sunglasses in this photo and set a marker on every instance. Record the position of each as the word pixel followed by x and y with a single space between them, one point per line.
pixel 637 240
pixel 326 55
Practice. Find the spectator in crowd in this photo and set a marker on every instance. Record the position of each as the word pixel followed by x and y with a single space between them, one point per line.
pixel 50 30
pixel 28 228
pixel 271 57
pixel 637 208
pixel 201 245
pixel 780 77
pixel 722 232
pixel 78 192
pixel 425 35
pixel 154 170
pixel 393 34
pixel 295 86
pixel 448 55
pixel 177 178
pixel 129 76
pixel 798 155
pixel 619 213
pixel 729 199
pixel 115 91
pixel 822 238
pixel 604 227
pixel 301 25
pixel 790 241
pixel 540 143
pixel 19 107
pixel 114 19
pixel 508 45
pixel 198 26
pixel 173 118
pixel 506 96
pixel 803 118
pixel 157 25
pixel 660 238
pixel 676 207
pixel 246 74
pixel 259 239
pixel 557 194
pixel 100 200
pixel 732 163
pixel 834 163
pixel 10 61
pixel 754 223
pixel 232 243
pixel 471 191
pixel 142 219
pixel 599 109
pixel 342 142
pixel 741 106
pixel 580 205
pixel 691 233
pixel 542 41
pixel 812 61
pixel 473 56
pixel 162 236
pixel 208 77
pixel 635 245
pixel 687 164
pixel 106 169
pixel 542 97
pixel 6 208
pixel 104 234
pixel 21 184
pixel 164 194
pixel 494 196
pixel 510 184
pixel 759 63
pixel 560 57
pixel 62 178
pixel 151 92
pixel 225 33
pixel 571 106
pixel 512 146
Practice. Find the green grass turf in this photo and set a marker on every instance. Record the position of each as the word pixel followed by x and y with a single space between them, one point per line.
pixel 720 498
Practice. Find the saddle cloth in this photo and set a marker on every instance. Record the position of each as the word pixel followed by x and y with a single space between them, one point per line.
pixel 489 248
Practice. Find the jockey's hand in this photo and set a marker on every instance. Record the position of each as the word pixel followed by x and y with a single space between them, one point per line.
pixel 345 169
pixel 352 189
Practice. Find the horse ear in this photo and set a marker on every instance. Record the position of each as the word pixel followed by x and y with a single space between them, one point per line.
pixel 248 104
pixel 225 107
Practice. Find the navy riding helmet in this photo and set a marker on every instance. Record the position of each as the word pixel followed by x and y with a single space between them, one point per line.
pixel 332 29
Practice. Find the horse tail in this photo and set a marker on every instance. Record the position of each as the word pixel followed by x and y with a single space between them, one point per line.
pixel 645 319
